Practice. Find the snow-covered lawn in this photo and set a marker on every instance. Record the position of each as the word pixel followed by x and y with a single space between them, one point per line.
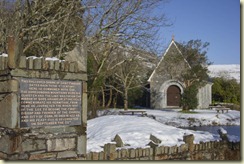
pixel 135 130
pixel 200 118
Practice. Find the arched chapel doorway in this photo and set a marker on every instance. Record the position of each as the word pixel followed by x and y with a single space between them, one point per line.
pixel 173 95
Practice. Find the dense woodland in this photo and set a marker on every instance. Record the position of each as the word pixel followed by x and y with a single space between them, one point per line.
pixel 121 40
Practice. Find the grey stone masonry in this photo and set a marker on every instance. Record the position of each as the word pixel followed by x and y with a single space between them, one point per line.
pixel 155 139
pixel 31 136
pixel 118 140
pixel 3 63
pixel 61 144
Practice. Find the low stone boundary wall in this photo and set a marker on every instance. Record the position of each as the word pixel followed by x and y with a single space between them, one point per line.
pixel 213 150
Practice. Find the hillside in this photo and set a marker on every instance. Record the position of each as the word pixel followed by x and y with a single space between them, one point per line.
pixel 228 71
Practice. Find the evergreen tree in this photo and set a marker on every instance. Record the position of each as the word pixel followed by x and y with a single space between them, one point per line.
pixel 189 98
pixel 196 76
pixel 195 52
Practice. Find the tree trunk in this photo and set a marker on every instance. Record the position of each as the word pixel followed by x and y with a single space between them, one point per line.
pixel 115 100
pixel 92 106
pixel 103 97
pixel 110 98
pixel 126 99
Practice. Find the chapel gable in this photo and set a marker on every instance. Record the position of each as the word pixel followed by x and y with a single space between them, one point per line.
pixel 171 66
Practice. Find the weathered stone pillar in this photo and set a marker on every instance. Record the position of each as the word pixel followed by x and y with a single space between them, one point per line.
pixel 188 139
pixel 15 51
pixel 154 144
pixel 118 140
pixel 110 151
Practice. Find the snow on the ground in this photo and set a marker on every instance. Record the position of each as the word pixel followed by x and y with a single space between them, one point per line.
pixel 135 130
pixel 228 71
pixel 200 118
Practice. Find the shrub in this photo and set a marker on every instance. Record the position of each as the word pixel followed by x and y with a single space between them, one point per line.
pixel 189 98
pixel 226 90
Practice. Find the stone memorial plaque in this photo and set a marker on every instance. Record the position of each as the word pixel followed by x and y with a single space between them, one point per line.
pixel 50 102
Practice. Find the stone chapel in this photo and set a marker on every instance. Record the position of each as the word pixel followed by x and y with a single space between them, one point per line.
pixel 166 84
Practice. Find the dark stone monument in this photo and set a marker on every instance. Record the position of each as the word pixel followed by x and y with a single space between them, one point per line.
pixel 50 102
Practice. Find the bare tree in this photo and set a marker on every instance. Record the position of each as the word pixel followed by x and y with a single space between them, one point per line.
pixel 46 28
pixel 115 23
pixel 51 28
pixel 130 74
pixel 6 22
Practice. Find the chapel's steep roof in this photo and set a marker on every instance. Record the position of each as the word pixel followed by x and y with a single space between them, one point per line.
pixel 172 44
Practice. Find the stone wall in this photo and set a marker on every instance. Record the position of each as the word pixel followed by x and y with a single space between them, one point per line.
pixel 42 142
pixel 213 150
